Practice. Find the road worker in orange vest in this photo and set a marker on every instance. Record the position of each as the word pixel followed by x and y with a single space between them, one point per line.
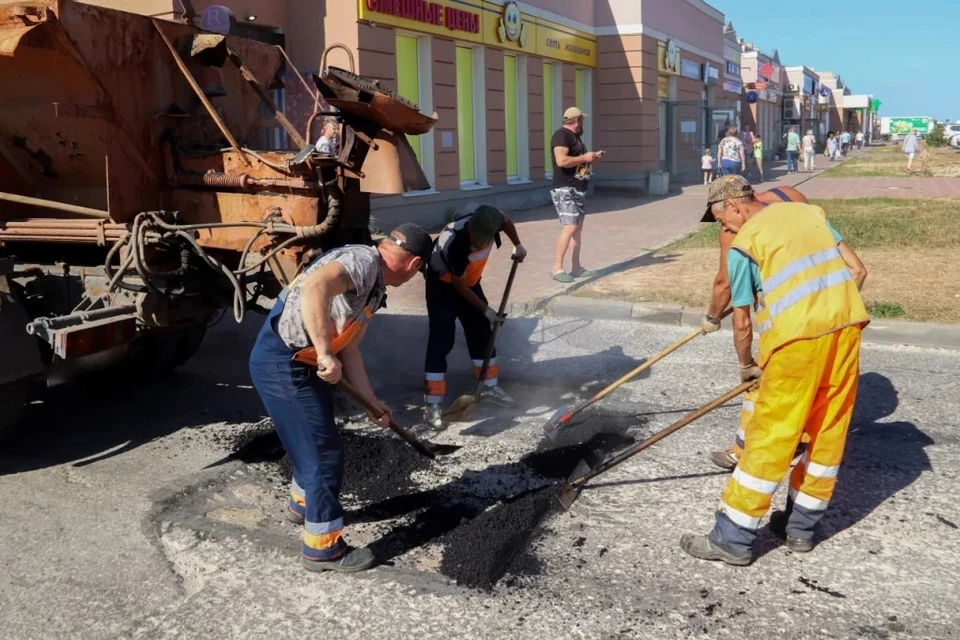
pixel 810 317
pixel 454 293
pixel 327 307
pixel 721 299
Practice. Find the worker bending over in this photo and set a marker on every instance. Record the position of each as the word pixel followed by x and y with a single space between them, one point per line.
pixel 720 300
pixel 810 320
pixel 454 293
pixel 328 307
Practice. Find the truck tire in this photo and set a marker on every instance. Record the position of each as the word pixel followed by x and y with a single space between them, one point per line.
pixel 13 400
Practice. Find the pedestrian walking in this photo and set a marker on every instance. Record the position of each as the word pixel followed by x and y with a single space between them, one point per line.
pixel 844 143
pixel 747 138
pixel 793 150
pixel 758 154
pixel 832 150
pixel 911 145
pixel 733 158
pixel 809 147
pixel 571 172
pixel 859 140
pixel 810 321
pixel 706 166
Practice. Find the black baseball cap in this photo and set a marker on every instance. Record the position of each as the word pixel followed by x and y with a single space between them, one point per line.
pixel 485 223
pixel 415 239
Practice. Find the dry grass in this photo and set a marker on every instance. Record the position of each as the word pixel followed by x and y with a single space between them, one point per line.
pixel 911 249
pixel 887 161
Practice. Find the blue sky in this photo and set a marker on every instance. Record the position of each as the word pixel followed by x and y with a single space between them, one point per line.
pixel 904 53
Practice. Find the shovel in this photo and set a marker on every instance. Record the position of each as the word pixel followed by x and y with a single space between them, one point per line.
pixel 583 473
pixel 563 415
pixel 427 449
pixel 466 401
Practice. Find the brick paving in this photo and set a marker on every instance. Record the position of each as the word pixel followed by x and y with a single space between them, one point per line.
pixel 619 229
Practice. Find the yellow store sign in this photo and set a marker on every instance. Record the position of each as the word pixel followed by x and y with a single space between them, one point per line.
pixel 668 58
pixel 496 24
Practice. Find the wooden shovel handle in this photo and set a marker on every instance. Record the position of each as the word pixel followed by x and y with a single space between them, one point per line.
pixel 378 412
pixel 663 433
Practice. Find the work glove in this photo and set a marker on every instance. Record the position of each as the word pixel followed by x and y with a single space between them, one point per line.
pixel 751 372
pixel 519 252
pixel 709 324
pixel 491 314
pixel 329 368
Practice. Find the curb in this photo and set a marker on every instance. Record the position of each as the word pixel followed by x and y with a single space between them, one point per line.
pixel 889 332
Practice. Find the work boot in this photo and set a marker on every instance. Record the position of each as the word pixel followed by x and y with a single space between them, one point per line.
pixel 432 416
pixel 294 517
pixel 778 526
pixel 701 547
pixel 352 561
pixel 496 395
pixel 725 459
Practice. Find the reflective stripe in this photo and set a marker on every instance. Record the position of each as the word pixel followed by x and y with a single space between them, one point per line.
pixel 320 528
pixel 766 326
pixel 433 377
pixel 296 490
pixel 433 399
pixel 806 501
pixel 479 363
pixel 739 518
pixel 809 288
pixel 797 266
pixel 754 483
pixel 747 406
pixel 819 470
pixel 741 435
pixel 480 255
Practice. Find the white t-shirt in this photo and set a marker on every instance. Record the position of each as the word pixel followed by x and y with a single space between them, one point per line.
pixel 809 144
pixel 706 163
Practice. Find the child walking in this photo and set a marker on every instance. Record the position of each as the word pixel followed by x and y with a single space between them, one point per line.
pixel 706 165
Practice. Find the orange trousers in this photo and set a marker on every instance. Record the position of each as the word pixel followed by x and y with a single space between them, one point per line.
pixel 808 387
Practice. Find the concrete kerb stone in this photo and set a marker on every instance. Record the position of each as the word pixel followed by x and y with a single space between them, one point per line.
pixel 891 332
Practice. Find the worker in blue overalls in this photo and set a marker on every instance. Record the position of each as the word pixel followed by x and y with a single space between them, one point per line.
pixel 328 308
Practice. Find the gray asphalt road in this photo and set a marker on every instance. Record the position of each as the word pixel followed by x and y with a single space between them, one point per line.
pixel 110 525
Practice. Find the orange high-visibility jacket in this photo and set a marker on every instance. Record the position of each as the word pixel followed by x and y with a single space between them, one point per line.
pixel 477 259
pixel 808 291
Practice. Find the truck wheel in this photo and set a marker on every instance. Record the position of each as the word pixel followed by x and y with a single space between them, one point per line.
pixel 13 400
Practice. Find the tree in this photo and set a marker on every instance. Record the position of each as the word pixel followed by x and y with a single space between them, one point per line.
pixel 937 137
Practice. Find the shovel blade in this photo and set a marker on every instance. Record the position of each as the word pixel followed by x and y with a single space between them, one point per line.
pixel 552 428
pixel 460 405
pixel 569 491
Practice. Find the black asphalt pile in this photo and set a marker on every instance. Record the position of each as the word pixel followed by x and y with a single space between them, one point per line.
pixel 379 467
pixel 479 552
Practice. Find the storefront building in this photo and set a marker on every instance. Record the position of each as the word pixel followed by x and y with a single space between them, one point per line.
pixel 801 103
pixel 499 74
pixel 838 116
pixel 660 72
pixel 858 106
pixel 762 76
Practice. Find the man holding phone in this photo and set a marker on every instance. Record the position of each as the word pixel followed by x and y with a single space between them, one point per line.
pixel 572 165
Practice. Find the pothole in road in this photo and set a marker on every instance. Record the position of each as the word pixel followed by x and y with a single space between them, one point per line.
pixel 469 522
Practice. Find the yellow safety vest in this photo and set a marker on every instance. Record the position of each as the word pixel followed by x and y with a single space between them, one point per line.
pixel 808 291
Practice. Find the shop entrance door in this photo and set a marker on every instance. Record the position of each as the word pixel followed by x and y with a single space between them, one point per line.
pixel 662 129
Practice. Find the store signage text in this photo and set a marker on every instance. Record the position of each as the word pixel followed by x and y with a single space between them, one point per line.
pixel 499 24
pixel 732 86
pixel 711 74
pixel 663 87
pixel 733 69
pixel 428 13
pixel 690 69
pixel 668 58
pixel 218 19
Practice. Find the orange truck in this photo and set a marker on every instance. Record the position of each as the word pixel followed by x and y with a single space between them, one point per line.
pixel 135 208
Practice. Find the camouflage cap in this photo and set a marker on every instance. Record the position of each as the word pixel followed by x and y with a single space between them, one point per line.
pixel 722 188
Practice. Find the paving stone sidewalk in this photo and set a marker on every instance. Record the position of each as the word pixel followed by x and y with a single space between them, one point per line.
pixel 618 229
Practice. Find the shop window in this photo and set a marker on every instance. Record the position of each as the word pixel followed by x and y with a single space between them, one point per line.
pixel 583 92
pixel 471 117
pixel 547 118
pixel 516 116
pixel 415 83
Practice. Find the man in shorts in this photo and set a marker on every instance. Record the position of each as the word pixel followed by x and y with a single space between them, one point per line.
pixel 571 173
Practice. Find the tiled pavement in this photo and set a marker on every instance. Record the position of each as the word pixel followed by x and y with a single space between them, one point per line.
pixel 620 229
